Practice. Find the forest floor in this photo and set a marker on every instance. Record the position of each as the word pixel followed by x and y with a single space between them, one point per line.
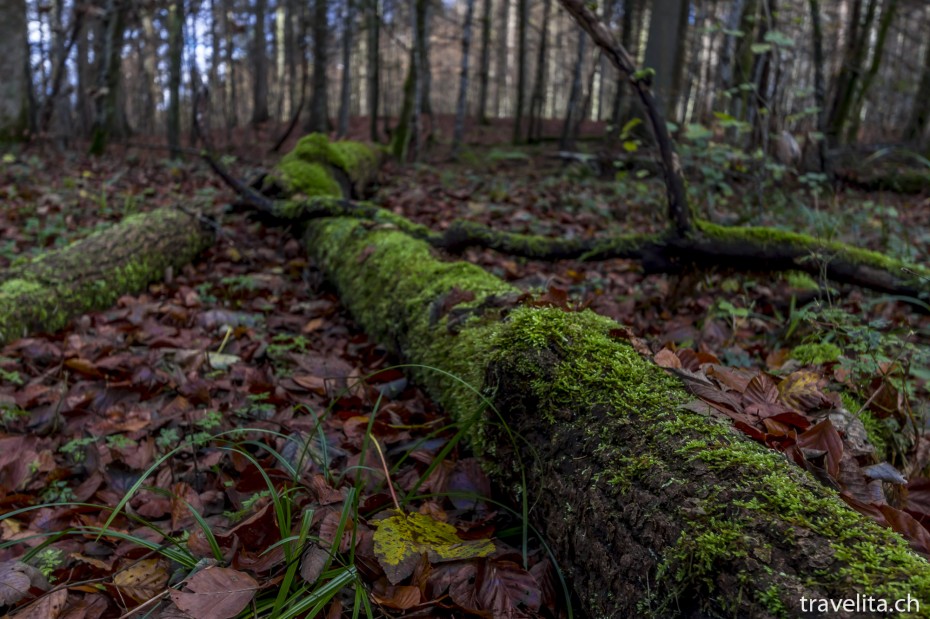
pixel 204 397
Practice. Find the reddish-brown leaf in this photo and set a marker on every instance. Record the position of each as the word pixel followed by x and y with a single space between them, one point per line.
pixel 216 593
pixel 824 437
pixel 399 597
pixel 506 589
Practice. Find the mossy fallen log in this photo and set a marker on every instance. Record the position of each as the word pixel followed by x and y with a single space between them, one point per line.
pixel 652 505
pixel 45 292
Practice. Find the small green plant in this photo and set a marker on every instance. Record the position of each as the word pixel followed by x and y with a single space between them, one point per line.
pixel 57 492
pixel 119 441
pixel 48 560
pixel 11 376
pixel 257 408
pixel 213 419
pixel 167 439
pixel 10 413
pixel 75 448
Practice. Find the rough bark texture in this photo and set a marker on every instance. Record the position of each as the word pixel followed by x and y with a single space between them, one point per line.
pixel 46 292
pixel 13 69
pixel 653 506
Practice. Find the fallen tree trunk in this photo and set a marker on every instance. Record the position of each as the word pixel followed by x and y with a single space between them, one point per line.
pixel 44 293
pixel 652 505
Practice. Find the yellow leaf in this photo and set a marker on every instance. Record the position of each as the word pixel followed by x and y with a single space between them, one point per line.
pixel 401 539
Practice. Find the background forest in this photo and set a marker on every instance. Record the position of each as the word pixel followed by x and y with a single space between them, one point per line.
pixel 857 71
pixel 466 308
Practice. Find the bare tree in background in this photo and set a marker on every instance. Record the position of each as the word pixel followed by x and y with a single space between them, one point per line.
pixel 348 24
pixel 459 133
pixel 175 48
pixel 13 64
pixel 318 118
pixel 484 65
pixel 259 67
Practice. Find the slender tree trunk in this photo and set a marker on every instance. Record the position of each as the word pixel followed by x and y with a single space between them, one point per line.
pixel 539 88
pixel 920 112
pixel 889 9
pixel 500 86
pixel 460 109
pixel 259 67
pixel 345 95
pixel 232 104
pixel 374 68
pixel 663 47
pixel 522 18
pixel 419 71
pixel 106 119
pixel 318 119
pixel 175 52
pixel 621 105
pixel 13 63
pixel 820 92
pixel 573 109
pixel 424 71
pixel 743 61
pixel 484 69
pixel 853 57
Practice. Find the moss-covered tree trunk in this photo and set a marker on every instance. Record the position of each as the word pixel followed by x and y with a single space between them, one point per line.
pixel 44 293
pixel 652 505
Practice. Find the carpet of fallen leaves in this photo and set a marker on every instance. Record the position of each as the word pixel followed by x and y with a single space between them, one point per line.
pixel 242 373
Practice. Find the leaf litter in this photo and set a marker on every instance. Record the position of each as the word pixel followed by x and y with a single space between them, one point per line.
pixel 131 398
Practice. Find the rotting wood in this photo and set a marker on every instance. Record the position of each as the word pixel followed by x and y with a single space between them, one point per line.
pixel 45 292
pixel 652 505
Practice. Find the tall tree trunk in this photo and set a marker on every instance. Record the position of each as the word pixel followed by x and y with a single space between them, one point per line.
pixel 318 119
pixel 500 86
pixel 853 57
pixel 374 68
pixel 150 65
pixel 621 105
pixel 484 68
pixel 522 18
pixel 573 109
pixel 889 9
pixel 920 113
pixel 408 125
pixel 419 71
pixel 663 49
pixel 424 71
pixel 175 53
pixel 460 108
pixel 539 88
pixel 820 89
pixel 232 103
pixel 743 61
pixel 106 119
pixel 13 63
pixel 259 67
pixel 345 95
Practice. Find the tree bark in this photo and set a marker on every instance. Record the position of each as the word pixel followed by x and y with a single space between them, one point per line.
pixel 348 26
pixel 175 51
pixel 374 69
pixel 44 293
pixel 522 18
pixel 572 111
pixel 664 49
pixel 920 113
pixel 853 57
pixel 502 67
pixel 259 67
pixel 534 132
pixel 889 10
pixel 648 501
pixel 106 118
pixel 484 70
pixel 820 89
pixel 459 134
pixel 318 119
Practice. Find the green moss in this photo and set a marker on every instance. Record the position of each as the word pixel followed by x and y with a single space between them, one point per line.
pixel 816 354
pixel 764 237
pixel 800 280
pixel 310 179
pixel 394 286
